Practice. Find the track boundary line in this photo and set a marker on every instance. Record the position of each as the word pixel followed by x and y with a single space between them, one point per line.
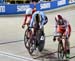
pixel 16 56
pixel 10 42
pixel 22 40
pixel 72 57
pixel 17 41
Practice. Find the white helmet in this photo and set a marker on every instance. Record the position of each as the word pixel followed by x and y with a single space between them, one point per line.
pixel 28 11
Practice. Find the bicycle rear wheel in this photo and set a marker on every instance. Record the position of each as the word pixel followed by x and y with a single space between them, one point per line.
pixel 41 42
pixel 41 45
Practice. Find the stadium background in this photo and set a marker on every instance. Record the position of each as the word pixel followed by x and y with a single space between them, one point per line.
pixel 9 8
pixel 11 34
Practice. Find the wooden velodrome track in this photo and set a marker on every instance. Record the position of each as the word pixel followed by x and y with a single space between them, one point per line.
pixel 11 37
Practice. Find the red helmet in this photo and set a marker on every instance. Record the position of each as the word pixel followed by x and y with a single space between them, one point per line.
pixel 59 19
pixel 34 9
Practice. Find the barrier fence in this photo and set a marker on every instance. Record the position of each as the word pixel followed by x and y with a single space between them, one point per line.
pixel 6 9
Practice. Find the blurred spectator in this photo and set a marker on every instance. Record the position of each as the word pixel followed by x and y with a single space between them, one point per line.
pixel 44 0
pixel 41 0
pixel 35 1
pixel 1 1
pixel 21 1
pixel 27 1
pixel 48 0
pixel 71 1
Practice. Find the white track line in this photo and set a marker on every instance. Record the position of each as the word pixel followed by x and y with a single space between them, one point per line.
pixel 16 56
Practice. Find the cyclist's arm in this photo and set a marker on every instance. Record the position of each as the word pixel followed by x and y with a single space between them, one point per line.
pixel 43 18
pixel 67 23
pixel 55 29
pixel 25 20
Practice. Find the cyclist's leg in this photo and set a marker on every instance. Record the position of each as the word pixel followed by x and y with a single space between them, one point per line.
pixel 42 34
pixel 67 49
pixel 34 35
pixel 60 38
pixel 69 33
pixel 67 44
pixel 28 32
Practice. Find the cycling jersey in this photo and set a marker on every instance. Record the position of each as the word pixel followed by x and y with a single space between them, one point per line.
pixel 43 21
pixel 65 28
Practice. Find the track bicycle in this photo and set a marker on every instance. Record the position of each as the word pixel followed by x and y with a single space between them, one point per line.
pixel 62 51
pixel 34 41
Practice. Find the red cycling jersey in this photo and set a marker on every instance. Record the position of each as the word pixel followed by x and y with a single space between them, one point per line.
pixel 28 18
pixel 64 29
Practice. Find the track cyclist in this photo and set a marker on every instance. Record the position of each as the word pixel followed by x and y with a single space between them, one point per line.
pixel 63 26
pixel 28 16
pixel 42 21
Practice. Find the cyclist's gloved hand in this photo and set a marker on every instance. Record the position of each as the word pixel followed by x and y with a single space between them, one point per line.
pixel 23 26
pixel 54 38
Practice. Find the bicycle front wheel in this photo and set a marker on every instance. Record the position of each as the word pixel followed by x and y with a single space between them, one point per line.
pixel 60 51
pixel 32 46
pixel 26 39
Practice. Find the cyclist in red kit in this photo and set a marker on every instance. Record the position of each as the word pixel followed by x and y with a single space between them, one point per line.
pixel 62 26
pixel 28 16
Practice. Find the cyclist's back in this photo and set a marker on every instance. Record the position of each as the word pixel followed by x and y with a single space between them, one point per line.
pixel 42 18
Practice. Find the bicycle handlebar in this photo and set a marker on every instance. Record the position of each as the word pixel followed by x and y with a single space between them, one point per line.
pixel 63 37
